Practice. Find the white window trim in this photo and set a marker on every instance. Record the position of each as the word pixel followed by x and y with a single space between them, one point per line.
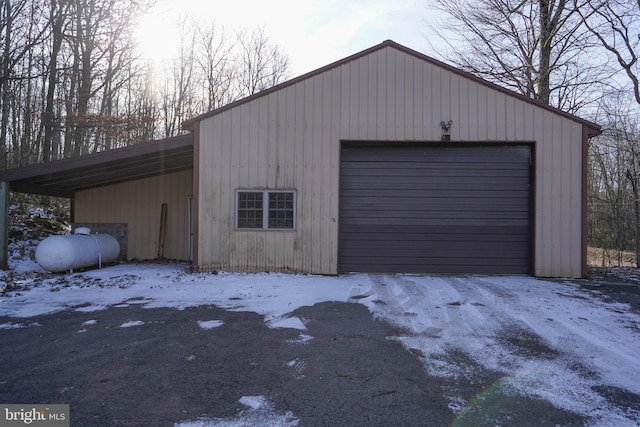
pixel 265 209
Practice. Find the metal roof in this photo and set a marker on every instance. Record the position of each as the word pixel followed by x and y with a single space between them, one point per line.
pixel 64 177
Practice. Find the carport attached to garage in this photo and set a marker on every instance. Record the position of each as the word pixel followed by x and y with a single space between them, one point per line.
pixel 435 208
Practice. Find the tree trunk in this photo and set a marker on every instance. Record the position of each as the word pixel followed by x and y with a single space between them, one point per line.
pixel 49 121
pixel 27 111
pixel 544 67
pixel 4 84
pixel 636 203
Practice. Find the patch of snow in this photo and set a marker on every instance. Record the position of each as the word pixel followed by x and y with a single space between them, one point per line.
pixel 87 323
pixel 260 412
pixel 210 324
pixel 160 286
pixel 456 404
pixel 132 323
pixel 287 322
pixel 24 266
pixel 11 325
pixel 302 339
pixel 140 301
pixel 91 308
pixel 255 402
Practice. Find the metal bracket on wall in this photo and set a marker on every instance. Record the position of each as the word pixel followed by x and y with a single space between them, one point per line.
pixel 446 130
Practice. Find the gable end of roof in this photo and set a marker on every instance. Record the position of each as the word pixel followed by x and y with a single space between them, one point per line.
pixel 594 129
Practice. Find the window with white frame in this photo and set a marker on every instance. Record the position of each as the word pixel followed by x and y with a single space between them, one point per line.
pixel 265 210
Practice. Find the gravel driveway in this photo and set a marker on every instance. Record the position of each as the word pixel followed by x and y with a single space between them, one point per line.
pixel 130 365
pixel 170 370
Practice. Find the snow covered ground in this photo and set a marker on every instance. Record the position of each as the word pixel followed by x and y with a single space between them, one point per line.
pixel 582 342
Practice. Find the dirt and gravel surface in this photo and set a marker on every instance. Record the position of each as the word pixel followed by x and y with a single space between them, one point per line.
pixel 129 365
pixel 615 284
pixel 170 370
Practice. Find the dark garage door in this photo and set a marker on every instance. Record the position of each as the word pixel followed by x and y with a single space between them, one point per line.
pixel 414 208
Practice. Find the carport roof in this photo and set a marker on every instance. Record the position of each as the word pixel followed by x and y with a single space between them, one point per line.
pixel 64 177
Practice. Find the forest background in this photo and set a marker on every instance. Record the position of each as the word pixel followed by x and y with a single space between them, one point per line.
pixel 73 81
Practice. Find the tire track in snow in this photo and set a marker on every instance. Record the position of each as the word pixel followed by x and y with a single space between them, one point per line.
pixel 521 333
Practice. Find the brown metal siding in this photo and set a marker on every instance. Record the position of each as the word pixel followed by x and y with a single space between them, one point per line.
pixel 435 208
pixel 138 204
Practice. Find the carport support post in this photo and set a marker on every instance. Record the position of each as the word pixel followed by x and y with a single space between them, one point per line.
pixel 4 225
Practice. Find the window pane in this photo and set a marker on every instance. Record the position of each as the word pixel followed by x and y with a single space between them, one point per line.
pixel 249 209
pixel 281 210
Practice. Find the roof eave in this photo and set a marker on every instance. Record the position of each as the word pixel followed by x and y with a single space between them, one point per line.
pixel 65 177
pixel 96 158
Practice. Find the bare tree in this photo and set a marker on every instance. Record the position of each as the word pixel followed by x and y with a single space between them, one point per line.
pixel 71 81
pixel 178 101
pixel 211 70
pixel 261 64
pixel 50 121
pixel 613 177
pixel 215 62
pixel 615 24
pixel 538 48
pixel 19 32
pixel 120 67
pixel 142 107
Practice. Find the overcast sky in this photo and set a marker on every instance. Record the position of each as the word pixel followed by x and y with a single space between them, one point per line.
pixel 312 33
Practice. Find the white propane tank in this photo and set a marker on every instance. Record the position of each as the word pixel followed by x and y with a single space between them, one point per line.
pixel 82 249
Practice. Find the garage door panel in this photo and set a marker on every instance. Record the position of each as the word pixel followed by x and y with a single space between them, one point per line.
pixel 435 209
pixel 424 170
pixel 446 266
pixel 505 234
pixel 380 183
pixel 441 259
pixel 457 219
pixel 444 248
pixel 409 152
pixel 419 168
pixel 496 206
pixel 381 264
pixel 436 190
pixel 434 234
pixel 436 179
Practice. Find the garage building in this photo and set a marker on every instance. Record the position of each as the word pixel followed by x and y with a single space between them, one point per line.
pixel 385 161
